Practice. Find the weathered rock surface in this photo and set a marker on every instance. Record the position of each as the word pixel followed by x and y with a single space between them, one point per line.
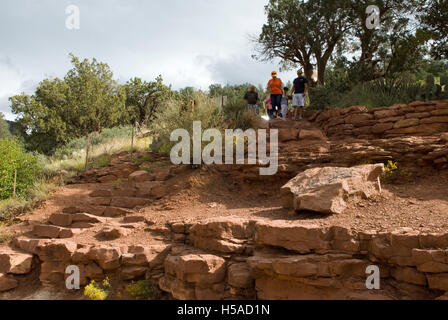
pixel 330 189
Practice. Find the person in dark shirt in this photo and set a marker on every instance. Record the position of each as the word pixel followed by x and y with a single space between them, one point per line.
pixel 300 88
pixel 252 100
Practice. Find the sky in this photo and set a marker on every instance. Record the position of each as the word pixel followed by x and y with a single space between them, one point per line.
pixel 189 42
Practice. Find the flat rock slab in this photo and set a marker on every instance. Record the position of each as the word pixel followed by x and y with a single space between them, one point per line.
pixel 329 190
pixel 15 262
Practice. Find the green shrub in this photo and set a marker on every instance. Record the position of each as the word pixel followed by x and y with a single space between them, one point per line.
pixel 239 117
pixel 98 291
pixel 12 157
pixel 143 289
pixel 173 116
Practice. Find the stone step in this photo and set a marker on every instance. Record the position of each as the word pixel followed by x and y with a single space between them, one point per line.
pixel 99 211
pixel 54 232
pixel 15 262
pixel 75 220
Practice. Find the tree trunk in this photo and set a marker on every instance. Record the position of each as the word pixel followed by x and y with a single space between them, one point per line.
pixel 87 151
pixel 309 70
pixel 321 66
pixel 132 141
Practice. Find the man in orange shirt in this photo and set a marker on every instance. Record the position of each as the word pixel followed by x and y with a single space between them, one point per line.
pixel 275 87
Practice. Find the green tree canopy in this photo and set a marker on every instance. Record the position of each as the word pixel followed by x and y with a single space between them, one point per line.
pixel 4 128
pixel 143 99
pixel 434 18
pixel 86 100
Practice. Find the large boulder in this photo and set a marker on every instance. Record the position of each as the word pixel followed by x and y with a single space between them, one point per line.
pixel 329 190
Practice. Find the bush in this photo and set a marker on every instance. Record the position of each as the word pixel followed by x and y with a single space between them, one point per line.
pixel 12 157
pixel 239 117
pixel 98 291
pixel 174 115
pixel 143 289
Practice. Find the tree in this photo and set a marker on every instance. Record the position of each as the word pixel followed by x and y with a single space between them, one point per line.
pixel 143 100
pixel 45 117
pixel 389 48
pixel 304 32
pixel 95 98
pixel 4 128
pixel 86 101
pixel 434 18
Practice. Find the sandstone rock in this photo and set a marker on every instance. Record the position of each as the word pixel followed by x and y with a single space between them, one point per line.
pixel 130 273
pixel 158 192
pixel 440 112
pixel 312 135
pixel 46 231
pixel 56 250
pixel 140 176
pixel 134 219
pixel 113 212
pixel 298 238
pixel 15 262
pixel 222 235
pixel 196 268
pixel 128 203
pixel 329 189
pixel 111 233
pixel 290 134
pixel 162 173
pixel 7 283
pixel 239 276
pixel 107 179
pixel 29 245
pixel 85 217
pixel 61 219
pixel 435 120
pixel 100 201
pixel 438 281
pixel 108 258
pixel 179 289
pixel 407 123
pixel 409 275
pixel 382 127
pixel 356 119
pixel 385 113
pixel 94 210
pixel 93 271
pixel 100 194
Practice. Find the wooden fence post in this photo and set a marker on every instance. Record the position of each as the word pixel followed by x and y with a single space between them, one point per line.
pixel 14 186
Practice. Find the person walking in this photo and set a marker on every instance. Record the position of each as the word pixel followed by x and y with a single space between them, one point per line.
pixel 275 86
pixel 299 89
pixel 252 99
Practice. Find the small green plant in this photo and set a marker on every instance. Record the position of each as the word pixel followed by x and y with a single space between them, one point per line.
pixel 392 172
pixel 146 158
pixel 96 291
pixel 101 161
pixel 143 289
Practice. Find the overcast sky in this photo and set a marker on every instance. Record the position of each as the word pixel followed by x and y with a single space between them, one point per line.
pixel 189 42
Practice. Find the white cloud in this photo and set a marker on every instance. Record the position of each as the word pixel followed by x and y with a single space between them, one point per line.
pixel 190 43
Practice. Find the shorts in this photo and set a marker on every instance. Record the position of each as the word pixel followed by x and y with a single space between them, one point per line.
pixel 254 108
pixel 298 100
